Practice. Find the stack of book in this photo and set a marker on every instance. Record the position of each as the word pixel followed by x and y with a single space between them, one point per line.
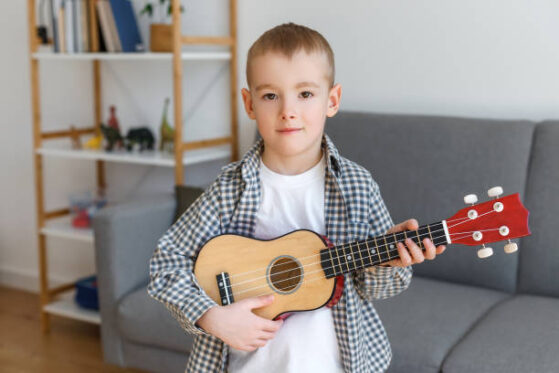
pixel 115 26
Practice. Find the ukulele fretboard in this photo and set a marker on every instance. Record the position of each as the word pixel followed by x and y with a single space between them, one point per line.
pixel 345 258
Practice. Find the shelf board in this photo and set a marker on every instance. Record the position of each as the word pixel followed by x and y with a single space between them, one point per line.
pixel 185 56
pixel 62 227
pixel 65 306
pixel 147 157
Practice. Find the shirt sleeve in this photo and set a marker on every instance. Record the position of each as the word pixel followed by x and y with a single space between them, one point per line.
pixel 172 279
pixel 381 282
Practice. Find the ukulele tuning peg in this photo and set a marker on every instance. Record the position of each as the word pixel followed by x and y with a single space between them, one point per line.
pixel 495 192
pixel 511 247
pixel 484 252
pixel 470 199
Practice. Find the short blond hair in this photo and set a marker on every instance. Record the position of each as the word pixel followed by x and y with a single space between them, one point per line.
pixel 288 39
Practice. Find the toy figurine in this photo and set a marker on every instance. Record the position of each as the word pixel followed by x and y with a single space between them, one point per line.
pixel 94 143
pixel 112 131
pixel 142 136
pixel 84 206
pixel 113 121
pixel 167 132
pixel 113 137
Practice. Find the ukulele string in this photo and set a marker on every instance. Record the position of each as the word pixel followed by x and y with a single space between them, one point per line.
pixel 313 255
pixel 479 216
pixel 319 270
pixel 463 220
pixel 306 282
pixel 343 247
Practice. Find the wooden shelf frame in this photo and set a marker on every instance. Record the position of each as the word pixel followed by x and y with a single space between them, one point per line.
pixel 50 305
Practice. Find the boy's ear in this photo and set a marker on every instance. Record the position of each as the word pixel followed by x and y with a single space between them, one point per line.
pixel 247 100
pixel 334 98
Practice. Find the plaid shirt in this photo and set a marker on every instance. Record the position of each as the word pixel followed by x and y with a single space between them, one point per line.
pixel 354 210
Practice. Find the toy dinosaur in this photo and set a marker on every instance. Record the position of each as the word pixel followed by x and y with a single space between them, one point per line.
pixel 167 132
pixel 113 137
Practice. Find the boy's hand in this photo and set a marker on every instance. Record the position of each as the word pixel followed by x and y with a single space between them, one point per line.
pixel 413 254
pixel 238 326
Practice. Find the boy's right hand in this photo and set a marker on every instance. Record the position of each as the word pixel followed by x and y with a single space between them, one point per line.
pixel 238 326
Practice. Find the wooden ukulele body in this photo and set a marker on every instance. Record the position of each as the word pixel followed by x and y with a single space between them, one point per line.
pixel 288 267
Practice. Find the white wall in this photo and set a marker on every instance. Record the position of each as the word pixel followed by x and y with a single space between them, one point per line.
pixel 469 58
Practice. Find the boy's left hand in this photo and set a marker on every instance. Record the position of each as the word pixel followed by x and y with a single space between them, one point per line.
pixel 411 253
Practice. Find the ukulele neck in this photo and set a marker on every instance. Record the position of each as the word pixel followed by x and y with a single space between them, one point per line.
pixel 341 259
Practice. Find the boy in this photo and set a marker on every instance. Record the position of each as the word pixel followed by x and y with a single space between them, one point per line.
pixel 293 178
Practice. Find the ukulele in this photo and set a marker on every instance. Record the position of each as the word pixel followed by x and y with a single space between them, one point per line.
pixel 305 271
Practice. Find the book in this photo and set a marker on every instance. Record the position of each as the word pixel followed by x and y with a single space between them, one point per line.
pixel 61 30
pixel 77 26
pixel 69 25
pixel 84 25
pixel 126 26
pixel 54 23
pixel 112 25
pixel 102 45
pixel 104 24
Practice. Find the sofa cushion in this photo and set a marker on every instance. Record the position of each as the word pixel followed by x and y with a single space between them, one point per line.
pixel 519 335
pixel 539 257
pixel 185 196
pixel 143 320
pixel 424 322
pixel 425 165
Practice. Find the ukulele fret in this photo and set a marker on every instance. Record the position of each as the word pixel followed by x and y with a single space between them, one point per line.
pixel 378 251
pixel 325 258
pixel 348 258
pixel 424 232
pixel 360 256
pixel 338 259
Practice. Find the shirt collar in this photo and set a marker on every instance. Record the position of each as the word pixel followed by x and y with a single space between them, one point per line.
pixel 250 163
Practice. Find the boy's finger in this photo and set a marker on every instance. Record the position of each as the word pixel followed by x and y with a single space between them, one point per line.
pixel 257 302
pixel 441 249
pixel 266 335
pixel 271 326
pixel 430 249
pixel 415 251
pixel 405 257
pixel 410 224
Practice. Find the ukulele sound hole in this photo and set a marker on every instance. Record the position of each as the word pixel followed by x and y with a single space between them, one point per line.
pixel 285 274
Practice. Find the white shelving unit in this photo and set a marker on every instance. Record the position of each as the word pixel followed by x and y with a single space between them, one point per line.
pixel 62 227
pixel 58 223
pixel 149 157
pixel 185 56
pixel 65 306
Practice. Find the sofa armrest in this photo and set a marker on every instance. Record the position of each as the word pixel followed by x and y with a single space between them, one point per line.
pixel 126 236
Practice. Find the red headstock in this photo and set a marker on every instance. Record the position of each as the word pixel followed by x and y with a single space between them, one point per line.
pixel 496 220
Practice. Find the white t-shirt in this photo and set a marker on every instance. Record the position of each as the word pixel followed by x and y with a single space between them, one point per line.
pixel 306 342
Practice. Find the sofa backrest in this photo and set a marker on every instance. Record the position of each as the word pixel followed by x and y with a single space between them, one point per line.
pixel 539 259
pixel 425 165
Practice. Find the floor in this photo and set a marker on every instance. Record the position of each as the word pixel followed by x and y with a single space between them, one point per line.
pixel 71 346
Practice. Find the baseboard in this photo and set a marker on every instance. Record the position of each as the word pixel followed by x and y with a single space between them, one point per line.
pixel 26 280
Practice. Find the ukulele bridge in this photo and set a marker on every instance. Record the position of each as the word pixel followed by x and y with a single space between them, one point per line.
pixel 224 286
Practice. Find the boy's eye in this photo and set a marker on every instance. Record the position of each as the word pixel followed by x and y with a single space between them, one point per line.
pixel 269 96
pixel 306 94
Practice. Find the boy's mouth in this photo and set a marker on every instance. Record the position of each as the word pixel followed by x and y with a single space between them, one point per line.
pixel 289 130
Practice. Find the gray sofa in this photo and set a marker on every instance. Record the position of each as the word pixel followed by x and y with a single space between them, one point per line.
pixel 460 314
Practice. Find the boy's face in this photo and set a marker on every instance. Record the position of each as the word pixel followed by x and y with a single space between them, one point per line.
pixel 290 100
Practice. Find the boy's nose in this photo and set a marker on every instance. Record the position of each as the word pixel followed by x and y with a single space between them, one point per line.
pixel 288 111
